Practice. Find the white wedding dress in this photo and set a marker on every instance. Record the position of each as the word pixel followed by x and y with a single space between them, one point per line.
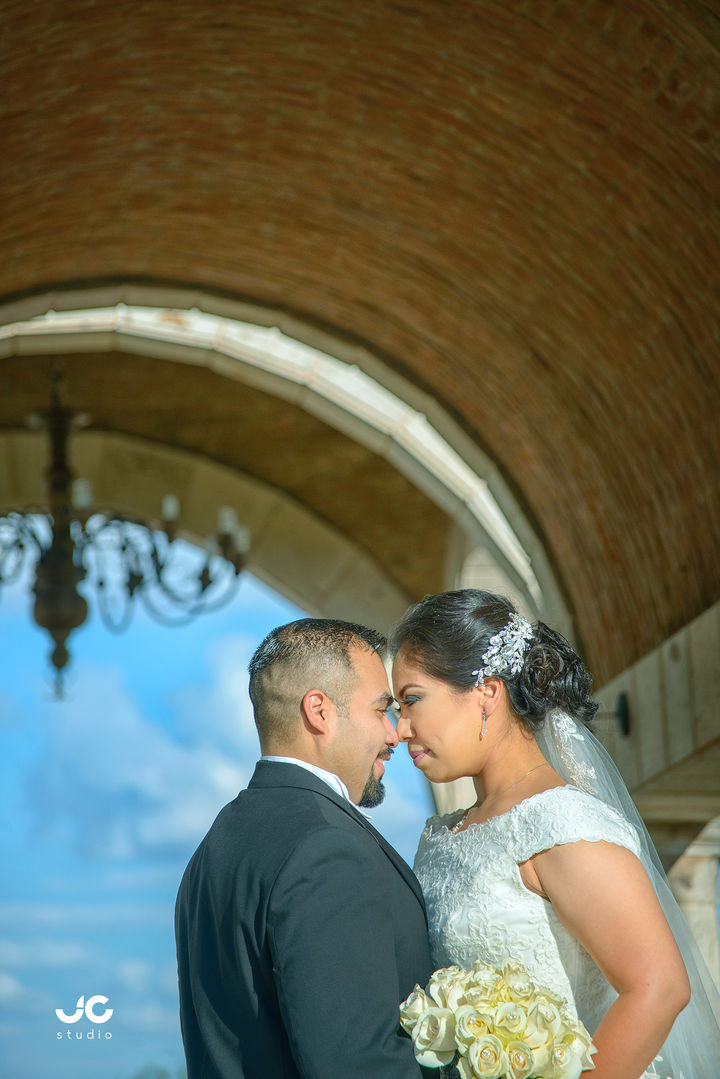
pixel 479 908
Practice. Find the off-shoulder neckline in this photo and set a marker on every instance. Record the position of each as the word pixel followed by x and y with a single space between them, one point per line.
pixel 474 825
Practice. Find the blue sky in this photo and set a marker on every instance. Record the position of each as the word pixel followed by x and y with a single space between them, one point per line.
pixel 104 797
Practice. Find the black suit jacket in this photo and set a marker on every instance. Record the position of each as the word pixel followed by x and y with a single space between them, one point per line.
pixel 299 931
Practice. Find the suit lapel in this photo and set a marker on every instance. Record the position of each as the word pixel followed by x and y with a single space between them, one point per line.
pixel 277 774
pixel 397 860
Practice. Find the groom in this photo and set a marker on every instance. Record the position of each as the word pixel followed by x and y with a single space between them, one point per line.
pixel 299 928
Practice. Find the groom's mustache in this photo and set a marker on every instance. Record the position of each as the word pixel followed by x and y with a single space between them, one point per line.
pixel 386 754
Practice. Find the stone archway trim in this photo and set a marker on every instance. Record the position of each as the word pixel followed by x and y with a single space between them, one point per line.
pixel 342 384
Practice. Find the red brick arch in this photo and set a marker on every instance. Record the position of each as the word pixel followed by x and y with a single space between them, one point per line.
pixel 514 204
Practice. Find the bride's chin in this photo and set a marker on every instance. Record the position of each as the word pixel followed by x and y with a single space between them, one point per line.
pixel 445 773
pixel 435 769
pixel 437 772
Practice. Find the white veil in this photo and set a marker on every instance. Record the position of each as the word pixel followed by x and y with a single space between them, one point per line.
pixel 692 1050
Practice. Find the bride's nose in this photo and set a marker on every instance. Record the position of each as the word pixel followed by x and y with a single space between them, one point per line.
pixel 404 732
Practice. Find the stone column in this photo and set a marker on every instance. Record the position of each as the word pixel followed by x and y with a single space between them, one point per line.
pixel 694 880
pixel 469 567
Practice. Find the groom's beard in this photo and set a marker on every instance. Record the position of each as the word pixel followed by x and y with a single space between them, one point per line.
pixel 374 791
pixel 373 794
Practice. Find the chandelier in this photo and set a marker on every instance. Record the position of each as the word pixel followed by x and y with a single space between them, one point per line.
pixel 123 559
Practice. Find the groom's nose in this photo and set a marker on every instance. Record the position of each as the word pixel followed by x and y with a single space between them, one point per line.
pixel 391 735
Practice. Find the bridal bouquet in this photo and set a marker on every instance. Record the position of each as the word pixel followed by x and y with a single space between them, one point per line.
pixel 502 1025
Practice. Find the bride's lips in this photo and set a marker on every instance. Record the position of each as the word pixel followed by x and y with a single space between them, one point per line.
pixel 417 755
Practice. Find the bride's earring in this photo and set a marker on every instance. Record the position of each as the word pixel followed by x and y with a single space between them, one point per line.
pixel 483 729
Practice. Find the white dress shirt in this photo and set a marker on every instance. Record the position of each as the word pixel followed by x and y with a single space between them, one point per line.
pixel 333 781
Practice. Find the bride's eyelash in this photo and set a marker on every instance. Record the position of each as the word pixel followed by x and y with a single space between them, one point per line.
pixel 410 699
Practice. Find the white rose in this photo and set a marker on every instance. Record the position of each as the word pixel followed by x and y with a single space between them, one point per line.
pixel 485 1059
pixel 470 1023
pixel 510 1020
pixel 451 974
pixel 448 982
pixel 447 987
pixel 517 981
pixel 544 1024
pixel 434 1037
pixel 484 977
pixel 581 1043
pixel 541 1055
pixel 413 1007
pixel 542 993
pixel 564 1063
pixel 544 1028
pixel 521 1062
pixel 479 998
pixel 512 967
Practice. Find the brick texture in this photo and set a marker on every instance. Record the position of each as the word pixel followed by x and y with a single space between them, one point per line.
pixel 513 203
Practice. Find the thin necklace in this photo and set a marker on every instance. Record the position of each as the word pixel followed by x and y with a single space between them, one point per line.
pixel 456 827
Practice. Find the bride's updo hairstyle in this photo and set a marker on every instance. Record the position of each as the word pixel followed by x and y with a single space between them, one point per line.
pixel 448 634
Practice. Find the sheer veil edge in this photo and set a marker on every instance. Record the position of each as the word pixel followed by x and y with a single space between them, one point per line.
pixel 692 1050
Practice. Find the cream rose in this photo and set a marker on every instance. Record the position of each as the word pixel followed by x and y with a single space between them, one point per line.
pixel 479 998
pixel 470 1023
pixel 563 1063
pixel 447 987
pixel 485 1059
pixel 544 1027
pixel 502 1025
pixel 517 982
pixel 484 977
pixel 581 1043
pixel 544 1024
pixel 510 1020
pixel 413 1007
pixel 543 994
pixel 452 973
pixel 433 1037
pixel 521 1062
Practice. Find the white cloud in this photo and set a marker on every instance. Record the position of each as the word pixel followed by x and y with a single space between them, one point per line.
pixel 10 988
pixel 123 785
pixel 43 952
pixel 153 981
pixel 222 711
pixel 17 999
pixel 27 917
pixel 153 1018
pixel 120 785
pixel 117 879
pixel 168 979
pixel 135 974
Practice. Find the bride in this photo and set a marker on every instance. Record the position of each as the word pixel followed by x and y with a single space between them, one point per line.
pixel 552 865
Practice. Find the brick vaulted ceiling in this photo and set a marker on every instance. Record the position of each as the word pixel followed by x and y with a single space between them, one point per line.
pixel 514 204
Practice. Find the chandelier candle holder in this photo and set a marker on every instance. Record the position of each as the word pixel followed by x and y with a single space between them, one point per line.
pixel 121 558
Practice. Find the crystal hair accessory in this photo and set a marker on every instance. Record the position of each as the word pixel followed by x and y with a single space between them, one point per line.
pixel 506 650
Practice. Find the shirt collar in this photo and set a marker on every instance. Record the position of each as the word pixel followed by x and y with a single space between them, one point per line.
pixel 333 781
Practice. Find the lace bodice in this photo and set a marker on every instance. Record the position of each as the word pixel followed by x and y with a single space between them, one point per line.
pixel 479 908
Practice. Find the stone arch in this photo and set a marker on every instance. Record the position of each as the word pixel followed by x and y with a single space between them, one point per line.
pixel 357 395
pixel 322 570
pixel 513 203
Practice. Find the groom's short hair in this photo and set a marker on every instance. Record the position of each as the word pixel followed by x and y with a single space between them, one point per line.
pixel 311 653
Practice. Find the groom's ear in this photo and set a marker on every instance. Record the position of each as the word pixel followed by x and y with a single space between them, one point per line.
pixel 317 710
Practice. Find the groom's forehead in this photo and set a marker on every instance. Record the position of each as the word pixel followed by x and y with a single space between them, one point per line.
pixel 369 668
